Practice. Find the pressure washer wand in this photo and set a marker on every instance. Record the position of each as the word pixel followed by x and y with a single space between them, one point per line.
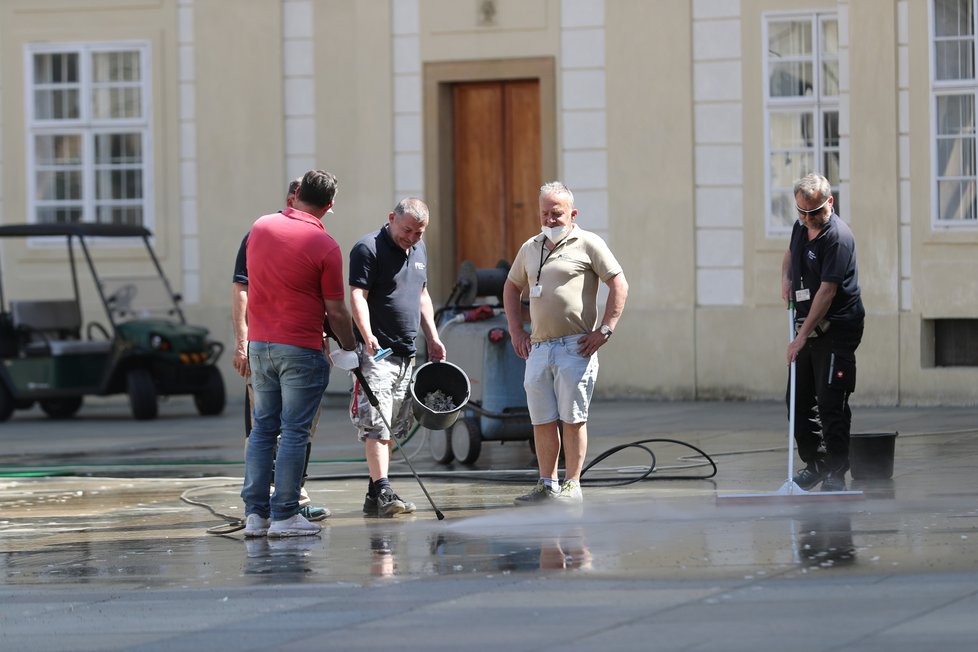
pixel 376 405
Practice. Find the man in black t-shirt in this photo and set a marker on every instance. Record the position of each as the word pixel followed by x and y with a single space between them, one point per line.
pixel 820 277
pixel 390 303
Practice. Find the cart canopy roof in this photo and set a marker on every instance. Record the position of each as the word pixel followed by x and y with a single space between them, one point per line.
pixel 83 229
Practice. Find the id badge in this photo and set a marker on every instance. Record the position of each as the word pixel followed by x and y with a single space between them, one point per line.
pixel 803 295
pixel 536 291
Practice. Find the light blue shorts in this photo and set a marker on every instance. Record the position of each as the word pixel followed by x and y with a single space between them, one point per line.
pixel 559 381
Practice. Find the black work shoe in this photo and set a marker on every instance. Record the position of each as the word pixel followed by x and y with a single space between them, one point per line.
pixel 809 476
pixel 387 503
pixel 834 481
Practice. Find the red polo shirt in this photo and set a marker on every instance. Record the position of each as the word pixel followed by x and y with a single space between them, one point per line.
pixel 293 266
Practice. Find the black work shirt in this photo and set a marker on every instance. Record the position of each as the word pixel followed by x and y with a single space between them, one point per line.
pixel 393 280
pixel 241 263
pixel 829 257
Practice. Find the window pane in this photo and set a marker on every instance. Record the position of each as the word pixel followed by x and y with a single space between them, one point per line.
pixel 118 148
pixel 789 38
pixel 115 66
pixel 953 18
pixel 956 200
pixel 830 78
pixel 830 170
pixel 955 115
pixel 56 104
pixel 119 184
pixel 787 167
pixel 830 129
pixel 954 59
pixel 109 103
pixel 128 215
pixel 58 184
pixel 830 37
pixel 59 214
pixel 57 68
pixel 782 209
pixel 57 150
pixel 956 157
pixel 791 79
pixel 791 130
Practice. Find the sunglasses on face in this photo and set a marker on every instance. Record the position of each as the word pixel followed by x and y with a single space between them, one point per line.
pixel 813 211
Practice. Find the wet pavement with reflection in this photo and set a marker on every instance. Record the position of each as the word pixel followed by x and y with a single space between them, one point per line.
pixel 146 530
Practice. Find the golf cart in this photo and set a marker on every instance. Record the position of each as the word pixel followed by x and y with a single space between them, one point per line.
pixel 146 348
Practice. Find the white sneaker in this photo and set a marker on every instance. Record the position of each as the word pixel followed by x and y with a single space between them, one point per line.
pixel 256 526
pixel 297 526
pixel 570 492
pixel 303 497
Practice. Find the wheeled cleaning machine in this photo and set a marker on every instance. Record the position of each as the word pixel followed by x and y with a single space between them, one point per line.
pixel 477 339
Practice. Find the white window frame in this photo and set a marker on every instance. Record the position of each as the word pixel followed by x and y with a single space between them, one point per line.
pixel 87 125
pixel 949 87
pixel 817 104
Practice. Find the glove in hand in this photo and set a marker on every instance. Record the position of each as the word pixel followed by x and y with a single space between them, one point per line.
pixel 347 360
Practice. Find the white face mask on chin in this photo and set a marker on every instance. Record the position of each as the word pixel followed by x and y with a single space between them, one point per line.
pixel 555 233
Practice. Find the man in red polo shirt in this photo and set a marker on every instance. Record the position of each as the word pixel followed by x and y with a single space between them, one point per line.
pixel 295 275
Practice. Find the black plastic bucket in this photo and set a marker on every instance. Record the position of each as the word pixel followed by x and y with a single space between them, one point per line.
pixel 871 455
pixel 442 377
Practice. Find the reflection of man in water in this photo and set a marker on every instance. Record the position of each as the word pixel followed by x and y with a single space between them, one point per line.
pixel 566 552
pixel 381 556
pixel 826 540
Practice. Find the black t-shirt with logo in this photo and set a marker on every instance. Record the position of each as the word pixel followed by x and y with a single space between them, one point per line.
pixel 830 257
pixel 394 280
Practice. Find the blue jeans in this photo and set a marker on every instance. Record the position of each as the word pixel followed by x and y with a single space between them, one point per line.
pixel 288 383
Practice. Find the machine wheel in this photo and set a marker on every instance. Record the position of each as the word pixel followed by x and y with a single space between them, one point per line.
pixel 466 440
pixel 210 400
pixel 142 394
pixel 7 403
pixel 440 445
pixel 61 408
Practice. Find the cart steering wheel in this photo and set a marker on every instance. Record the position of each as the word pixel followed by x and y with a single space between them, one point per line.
pixel 95 326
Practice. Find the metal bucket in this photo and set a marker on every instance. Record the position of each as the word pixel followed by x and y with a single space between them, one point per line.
pixel 871 455
pixel 442 377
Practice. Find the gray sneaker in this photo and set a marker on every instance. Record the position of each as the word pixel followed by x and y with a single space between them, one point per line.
pixel 296 526
pixel 256 526
pixel 540 495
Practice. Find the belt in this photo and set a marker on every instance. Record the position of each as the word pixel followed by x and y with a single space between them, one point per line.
pixel 821 329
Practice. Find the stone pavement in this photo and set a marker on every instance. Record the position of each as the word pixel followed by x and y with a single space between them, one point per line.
pixel 103 543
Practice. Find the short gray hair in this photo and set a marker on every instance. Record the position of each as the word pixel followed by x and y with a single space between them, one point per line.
pixel 412 206
pixel 556 188
pixel 811 185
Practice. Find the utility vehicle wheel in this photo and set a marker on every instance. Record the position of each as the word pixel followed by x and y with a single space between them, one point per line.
pixel 210 400
pixel 61 408
pixel 466 440
pixel 142 394
pixel 7 403
pixel 440 445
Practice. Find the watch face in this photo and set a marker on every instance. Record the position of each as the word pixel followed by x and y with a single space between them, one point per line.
pixel 605 329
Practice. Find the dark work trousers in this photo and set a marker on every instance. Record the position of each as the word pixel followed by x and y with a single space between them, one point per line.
pixel 825 376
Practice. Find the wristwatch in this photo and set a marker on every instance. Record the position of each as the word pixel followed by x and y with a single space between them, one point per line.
pixel 606 330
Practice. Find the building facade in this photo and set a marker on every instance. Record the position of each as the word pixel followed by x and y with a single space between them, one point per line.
pixel 679 125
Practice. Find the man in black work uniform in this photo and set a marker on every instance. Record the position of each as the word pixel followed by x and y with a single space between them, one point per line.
pixel 819 274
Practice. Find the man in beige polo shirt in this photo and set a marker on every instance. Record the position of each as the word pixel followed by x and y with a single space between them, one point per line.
pixel 559 271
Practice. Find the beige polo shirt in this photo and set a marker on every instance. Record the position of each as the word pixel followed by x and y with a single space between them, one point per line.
pixel 569 279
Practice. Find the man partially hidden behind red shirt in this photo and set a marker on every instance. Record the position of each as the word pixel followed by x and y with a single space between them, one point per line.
pixel 295 276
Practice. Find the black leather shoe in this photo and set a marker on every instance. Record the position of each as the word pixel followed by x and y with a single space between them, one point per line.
pixel 809 476
pixel 834 481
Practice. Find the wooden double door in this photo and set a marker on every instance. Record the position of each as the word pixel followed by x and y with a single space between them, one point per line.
pixel 497 162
